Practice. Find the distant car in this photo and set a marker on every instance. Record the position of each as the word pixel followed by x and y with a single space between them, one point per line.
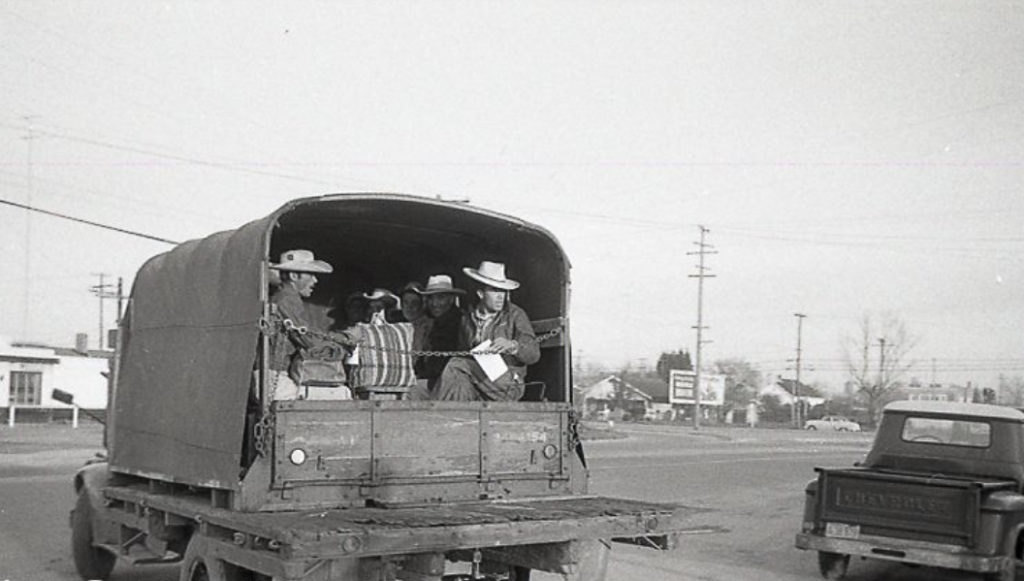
pixel 835 423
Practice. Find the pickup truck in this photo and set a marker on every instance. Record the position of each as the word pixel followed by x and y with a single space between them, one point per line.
pixel 208 469
pixel 942 486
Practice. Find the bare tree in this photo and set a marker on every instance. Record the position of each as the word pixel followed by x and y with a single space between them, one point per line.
pixel 742 381
pixel 1011 390
pixel 877 358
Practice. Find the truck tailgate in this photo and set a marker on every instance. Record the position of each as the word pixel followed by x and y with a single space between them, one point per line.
pixel 852 502
pixel 369 531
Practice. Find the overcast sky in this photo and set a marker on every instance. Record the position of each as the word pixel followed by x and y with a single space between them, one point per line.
pixel 847 157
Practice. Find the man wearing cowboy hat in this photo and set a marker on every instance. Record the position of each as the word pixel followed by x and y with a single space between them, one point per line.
pixel 443 332
pixel 383 303
pixel 299 270
pixel 506 326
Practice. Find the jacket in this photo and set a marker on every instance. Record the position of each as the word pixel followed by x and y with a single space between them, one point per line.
pixel 511 323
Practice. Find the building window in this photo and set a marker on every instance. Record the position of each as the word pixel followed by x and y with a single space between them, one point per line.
pixel 26 388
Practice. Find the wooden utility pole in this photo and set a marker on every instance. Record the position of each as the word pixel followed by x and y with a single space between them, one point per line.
pixel 103 291
pixel 702 273
pixel 797 407
pixel 881 364
pixel 26 319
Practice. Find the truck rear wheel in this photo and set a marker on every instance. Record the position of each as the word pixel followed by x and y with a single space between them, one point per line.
pixel 91 562
pixel 833 565
pixel 199 565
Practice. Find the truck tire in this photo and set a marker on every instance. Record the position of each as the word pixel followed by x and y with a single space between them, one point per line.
pixel 519 573
pixel 1008 574
pixel 91 562
pixel 199 565
pixel 833 565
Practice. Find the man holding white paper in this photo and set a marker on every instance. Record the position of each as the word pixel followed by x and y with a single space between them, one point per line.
pixel 502 334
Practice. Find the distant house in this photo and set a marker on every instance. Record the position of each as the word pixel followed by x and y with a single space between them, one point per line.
pixel 934 392
pixel 30 373
pixel 613 394
pixel 787 391
pixel 654 387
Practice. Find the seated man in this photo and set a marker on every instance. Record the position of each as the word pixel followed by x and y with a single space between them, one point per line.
pixel 298 276
pixel 441 332
pixel 509 332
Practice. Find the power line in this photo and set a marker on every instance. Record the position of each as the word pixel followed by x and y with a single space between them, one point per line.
pixel 88 222
pixel 237 167
pixel 107 198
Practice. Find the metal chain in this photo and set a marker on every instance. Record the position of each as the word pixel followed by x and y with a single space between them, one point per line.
pixel 262 431
pixel 339 339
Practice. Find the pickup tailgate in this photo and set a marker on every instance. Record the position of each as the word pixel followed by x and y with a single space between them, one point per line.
pixel 854 502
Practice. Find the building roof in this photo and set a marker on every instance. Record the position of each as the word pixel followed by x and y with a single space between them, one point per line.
pixel 91 353
pixel 20 353
pixel 804 391
pixel 655 387
pixel 605 390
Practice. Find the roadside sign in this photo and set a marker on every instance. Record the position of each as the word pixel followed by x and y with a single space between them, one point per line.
pixel 680 388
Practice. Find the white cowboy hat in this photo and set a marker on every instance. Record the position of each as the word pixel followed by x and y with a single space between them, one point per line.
pixel 491 274
pixel 302 261
pixel 440 284
pixel 383 294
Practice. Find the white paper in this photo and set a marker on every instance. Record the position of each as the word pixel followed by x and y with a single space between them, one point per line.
pixel 492 363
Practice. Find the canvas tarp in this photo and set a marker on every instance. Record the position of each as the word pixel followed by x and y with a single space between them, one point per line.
pixel 192 335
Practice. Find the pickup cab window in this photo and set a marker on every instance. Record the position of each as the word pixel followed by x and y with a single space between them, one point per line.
pixel 974 434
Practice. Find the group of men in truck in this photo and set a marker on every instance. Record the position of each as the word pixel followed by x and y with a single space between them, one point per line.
pixel 498 331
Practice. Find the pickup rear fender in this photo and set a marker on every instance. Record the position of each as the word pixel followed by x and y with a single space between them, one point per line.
pixel 1004 501
pixel 1006 506
pixel 810 506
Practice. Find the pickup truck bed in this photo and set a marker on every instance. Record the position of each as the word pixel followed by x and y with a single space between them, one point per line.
pixel 913 518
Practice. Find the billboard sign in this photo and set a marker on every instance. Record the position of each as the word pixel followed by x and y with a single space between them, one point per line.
pixel 680 388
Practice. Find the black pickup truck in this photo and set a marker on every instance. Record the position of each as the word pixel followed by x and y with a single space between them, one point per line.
pixel 942 486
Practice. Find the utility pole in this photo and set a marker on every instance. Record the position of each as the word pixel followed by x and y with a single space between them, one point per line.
pixel 797 408
pixel 881 364
pixel 103 291
pixel 702 273
pixel 120 300
pixel 30 138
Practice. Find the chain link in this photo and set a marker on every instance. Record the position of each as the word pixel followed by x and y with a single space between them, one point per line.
pixel 340 339
pixel 262 432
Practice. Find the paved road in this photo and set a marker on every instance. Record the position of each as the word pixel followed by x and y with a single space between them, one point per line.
pixel 749 482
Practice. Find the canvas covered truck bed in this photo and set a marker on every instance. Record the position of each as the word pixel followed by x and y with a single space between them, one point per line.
pixel 210 468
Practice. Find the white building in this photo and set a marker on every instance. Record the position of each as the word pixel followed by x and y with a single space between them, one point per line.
pixel 30 373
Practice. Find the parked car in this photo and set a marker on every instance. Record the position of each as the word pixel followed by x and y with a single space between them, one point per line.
pixel 834 423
